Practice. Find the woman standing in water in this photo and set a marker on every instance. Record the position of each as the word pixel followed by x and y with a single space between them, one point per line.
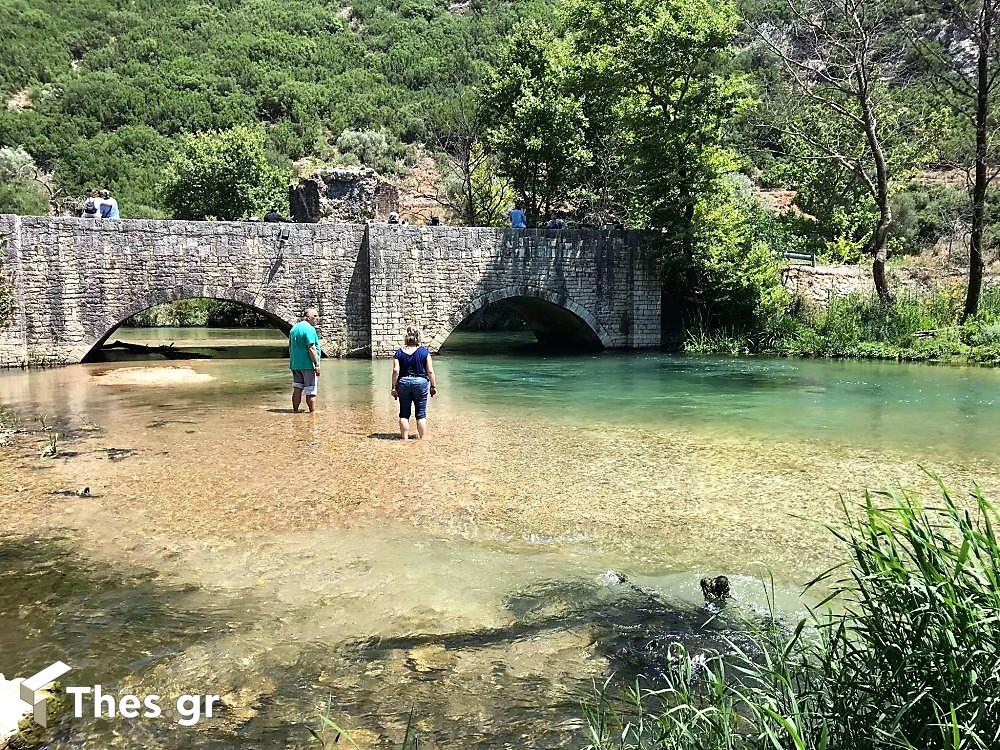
pixel 412 382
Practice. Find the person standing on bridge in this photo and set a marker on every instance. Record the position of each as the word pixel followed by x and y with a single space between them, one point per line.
pixel 518 219
pixel 412 382
pixel 304 353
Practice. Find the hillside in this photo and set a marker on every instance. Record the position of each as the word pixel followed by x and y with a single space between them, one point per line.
pixel 96 91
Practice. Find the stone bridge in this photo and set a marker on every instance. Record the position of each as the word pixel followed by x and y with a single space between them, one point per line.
pixel 66 284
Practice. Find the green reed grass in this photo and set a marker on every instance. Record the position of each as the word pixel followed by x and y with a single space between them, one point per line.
pixel 909 658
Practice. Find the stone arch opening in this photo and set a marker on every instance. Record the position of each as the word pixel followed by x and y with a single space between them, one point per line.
pixel 557 322
pixel 275 315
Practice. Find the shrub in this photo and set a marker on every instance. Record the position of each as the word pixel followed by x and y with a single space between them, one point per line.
pixel 370 146
pixel 737 280
pixel 222 175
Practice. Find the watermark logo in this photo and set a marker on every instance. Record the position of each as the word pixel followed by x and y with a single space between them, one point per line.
pixel 30 689
pixel 20 697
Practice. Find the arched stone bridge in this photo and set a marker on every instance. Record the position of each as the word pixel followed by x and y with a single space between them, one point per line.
pixel 66 284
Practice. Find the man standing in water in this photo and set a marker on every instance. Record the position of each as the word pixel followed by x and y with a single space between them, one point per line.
pixel 304 354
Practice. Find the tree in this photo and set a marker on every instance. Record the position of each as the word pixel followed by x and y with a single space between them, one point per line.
pixel 472 188
pixel 660 85
pixel 971 79
pixel 839 101
pixel 222 175
pixel 24 189
pixel 536 122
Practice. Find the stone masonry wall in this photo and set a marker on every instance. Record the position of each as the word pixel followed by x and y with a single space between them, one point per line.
pixel 66 283
pixel 437 276
pixel 78 279
pixel 818 285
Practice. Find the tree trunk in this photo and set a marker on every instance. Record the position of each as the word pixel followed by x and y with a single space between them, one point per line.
pixel 981 180
pixel 878 265
pixel 877 243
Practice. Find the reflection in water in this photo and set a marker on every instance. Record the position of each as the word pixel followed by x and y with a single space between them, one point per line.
pixel 285 561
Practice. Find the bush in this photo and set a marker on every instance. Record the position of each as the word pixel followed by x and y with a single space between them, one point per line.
pixel 910 658
pixel 368 145
pixel 222 175
pixel 736 277
pixel 923 214
pixel 194 313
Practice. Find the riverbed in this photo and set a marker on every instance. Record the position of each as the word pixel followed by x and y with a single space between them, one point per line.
pixel 193 535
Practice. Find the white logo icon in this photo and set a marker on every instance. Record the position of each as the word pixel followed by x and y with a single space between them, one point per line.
pixel 28 699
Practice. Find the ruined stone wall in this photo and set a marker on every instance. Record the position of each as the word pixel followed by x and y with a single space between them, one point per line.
pixel 66 283
pixel 438 276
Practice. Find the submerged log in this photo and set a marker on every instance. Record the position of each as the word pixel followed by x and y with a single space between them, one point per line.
pixel 167 350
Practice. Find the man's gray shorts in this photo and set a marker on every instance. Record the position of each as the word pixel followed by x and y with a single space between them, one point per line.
pixel 304 380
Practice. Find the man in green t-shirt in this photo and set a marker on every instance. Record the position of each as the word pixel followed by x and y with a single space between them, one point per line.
pixel 304 354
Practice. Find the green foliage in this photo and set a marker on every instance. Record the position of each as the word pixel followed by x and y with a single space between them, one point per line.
pixel 369 146
pixel 8 304
pixel 195 313
pixel 918 328
pixel 304 70
pixel 923 214
pixel 222 175
pixel 737 280
pixel 19 192
pixel 909 659
pixel 536 122
pixel 661 75
pixel 129 162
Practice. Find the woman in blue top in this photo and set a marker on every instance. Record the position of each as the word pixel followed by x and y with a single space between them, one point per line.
pixel 412 381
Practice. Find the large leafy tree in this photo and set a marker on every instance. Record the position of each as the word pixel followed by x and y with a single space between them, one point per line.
pixel 536 122
pixel 840 101
pixel 221 175
pixel 658 78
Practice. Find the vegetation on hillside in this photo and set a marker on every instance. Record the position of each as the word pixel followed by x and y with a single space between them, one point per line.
pixel 113 84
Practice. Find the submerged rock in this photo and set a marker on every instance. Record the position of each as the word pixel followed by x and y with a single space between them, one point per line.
pixel 715 589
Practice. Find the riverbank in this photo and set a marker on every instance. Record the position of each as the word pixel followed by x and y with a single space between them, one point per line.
pixel 914 328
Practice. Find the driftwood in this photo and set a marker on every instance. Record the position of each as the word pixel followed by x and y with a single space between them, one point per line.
pixel 168 351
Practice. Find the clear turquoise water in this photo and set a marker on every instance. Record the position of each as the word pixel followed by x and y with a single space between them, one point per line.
pixel 924 408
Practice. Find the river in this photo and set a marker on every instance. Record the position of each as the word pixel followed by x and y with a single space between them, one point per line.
pixel 300 564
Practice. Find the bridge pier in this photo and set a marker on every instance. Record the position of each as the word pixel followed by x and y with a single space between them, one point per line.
pixel 66 283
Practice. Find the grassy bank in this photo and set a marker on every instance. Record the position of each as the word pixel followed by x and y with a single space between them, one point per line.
pixel 914 328
pixel 911 659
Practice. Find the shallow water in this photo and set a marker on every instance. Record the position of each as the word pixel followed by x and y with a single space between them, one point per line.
pixel 299 564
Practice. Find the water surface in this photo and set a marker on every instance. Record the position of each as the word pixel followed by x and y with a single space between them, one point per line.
pixel 298 564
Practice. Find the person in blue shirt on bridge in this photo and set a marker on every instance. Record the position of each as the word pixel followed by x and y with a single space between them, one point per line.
pixel 412 382
pixel 518 219
pixel 108 206
pixel 304 353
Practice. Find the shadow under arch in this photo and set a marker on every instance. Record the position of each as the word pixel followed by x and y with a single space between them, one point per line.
pixel 557 321
pixel 278 315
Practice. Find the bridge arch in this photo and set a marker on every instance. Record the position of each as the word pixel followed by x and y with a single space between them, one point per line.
pixel 567 317
pixel 279 315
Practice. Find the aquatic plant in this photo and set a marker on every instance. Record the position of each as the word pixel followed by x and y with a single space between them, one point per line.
pixel 411 740
pixel 51 447
pixel 910 659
